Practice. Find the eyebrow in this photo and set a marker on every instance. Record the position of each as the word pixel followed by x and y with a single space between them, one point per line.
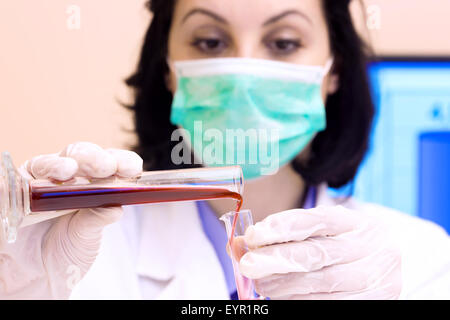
pixel 284 14
pixel 224 21
pixel 205 12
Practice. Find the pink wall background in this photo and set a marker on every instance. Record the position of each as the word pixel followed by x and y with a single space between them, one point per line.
pixel 59 85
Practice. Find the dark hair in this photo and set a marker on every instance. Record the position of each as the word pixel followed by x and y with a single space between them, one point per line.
pixel 336 152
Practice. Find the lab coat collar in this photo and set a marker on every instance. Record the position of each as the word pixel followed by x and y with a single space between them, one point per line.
pixel 173 248
pixel 324 198
pixel 158 236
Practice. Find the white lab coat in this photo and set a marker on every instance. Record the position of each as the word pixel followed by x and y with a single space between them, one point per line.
pixel 160 251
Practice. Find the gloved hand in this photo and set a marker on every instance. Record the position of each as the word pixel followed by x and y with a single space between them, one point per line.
pixel 46 257
pixel 321 253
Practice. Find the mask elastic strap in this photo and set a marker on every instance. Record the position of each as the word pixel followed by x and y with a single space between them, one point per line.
pixel 171 65
pixel 328 65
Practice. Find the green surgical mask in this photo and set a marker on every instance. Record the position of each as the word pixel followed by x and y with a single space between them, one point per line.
pixel 259 114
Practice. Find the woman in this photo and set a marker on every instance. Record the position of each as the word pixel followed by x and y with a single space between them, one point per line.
pixel 340 249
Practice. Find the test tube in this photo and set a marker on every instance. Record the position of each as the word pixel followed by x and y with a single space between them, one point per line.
pixel 236 223
pixel 24 202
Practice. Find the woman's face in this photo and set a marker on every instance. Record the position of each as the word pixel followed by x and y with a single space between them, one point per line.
pixel 293 31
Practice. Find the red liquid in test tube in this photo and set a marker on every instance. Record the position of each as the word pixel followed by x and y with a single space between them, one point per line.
pixel 47 198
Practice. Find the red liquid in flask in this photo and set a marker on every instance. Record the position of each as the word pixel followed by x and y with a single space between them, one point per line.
pixel 244 285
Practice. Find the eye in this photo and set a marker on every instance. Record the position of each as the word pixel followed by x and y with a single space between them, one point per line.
pixel 283 46
pixel 210 45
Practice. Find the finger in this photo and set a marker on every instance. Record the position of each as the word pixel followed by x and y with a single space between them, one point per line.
pixel 300 224
pixel 88 221
pixel 75 239
pixel 305 256
pixel 23 170
pixel 321 281
pixel 84 232
pixel 239 248
pixel 93 161
pixel 381 293
pixel 52 166
pixel 129 163
pixel 322 296
pixel 366 273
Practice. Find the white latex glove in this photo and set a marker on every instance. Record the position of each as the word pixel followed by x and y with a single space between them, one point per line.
pixel 48 258
pixel 321 253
